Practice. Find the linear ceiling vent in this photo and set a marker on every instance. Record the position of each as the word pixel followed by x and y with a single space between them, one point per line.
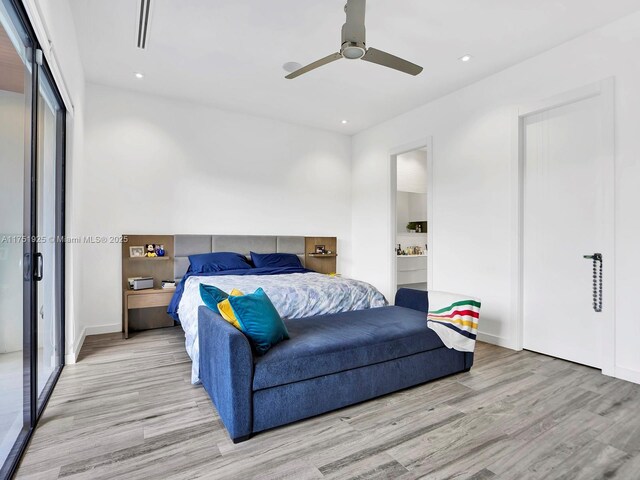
pixel 143 23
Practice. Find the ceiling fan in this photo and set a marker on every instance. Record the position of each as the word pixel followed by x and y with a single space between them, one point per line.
pixel 354 47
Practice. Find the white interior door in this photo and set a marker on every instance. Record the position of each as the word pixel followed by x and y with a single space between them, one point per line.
pixel 563 198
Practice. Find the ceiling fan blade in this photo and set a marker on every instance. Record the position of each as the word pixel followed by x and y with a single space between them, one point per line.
pixel 318 63
pixel 387 60
pixel 353 30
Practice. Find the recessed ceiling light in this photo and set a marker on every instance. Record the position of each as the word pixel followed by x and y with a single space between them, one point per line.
pixel 139 75
pixel 465 58
pixel 344 122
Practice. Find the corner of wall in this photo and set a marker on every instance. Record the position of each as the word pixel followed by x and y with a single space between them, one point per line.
pixel 72 357
pixel 497 340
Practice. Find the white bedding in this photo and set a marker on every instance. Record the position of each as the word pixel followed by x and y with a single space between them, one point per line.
pixel 295 295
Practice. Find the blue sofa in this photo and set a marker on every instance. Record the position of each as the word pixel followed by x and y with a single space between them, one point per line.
pixel 331 361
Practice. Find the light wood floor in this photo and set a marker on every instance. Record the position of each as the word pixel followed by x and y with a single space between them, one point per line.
pixel 127 410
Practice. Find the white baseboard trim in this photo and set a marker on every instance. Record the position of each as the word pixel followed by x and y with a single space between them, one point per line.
pixel 100 329
pixel 628 374
pixel 72 357
pixel 495 340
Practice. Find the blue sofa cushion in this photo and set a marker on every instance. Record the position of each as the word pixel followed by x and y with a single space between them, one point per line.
pixel 328 344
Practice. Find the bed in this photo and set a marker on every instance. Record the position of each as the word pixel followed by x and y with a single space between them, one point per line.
pixel 295 292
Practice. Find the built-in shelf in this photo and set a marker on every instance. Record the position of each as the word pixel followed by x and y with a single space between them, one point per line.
pixel 412 233
pixel 149 290
pixel 411 256
pixel 321 262
pixel 155 259
pixel 144 309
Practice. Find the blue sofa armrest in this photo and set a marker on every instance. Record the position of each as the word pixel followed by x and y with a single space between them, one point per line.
pixel 226 371
pixel 419 300
pixel 413 299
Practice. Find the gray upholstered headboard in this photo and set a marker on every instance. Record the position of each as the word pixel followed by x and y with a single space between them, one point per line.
pixel 185 245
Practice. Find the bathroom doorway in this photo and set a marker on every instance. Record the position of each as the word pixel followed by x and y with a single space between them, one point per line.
pixel 411 226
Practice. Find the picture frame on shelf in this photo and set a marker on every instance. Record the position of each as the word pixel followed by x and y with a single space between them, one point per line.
pixel 136 251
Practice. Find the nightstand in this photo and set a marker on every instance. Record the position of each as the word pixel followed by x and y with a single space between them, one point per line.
pixel 144 299
pixel 146 304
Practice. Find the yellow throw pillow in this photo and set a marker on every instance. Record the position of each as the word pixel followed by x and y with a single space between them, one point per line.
pixel 226 312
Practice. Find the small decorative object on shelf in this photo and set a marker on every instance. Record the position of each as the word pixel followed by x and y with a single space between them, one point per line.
pixel 136 252
pixel 160 250
pixel 150 248
pixel 411 227
pixel 168 284
pixel 320 249
pixel 413 250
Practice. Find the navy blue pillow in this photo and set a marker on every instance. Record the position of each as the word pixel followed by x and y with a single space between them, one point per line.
pixel 217 262
pixel 275 260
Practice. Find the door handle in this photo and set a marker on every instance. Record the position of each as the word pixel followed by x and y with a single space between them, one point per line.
pixel 597 280
pixel 39 266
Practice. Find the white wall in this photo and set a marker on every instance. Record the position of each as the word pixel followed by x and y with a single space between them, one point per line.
pixel 154 165
pixel 412 172
pixel 410 207
pixel 473 143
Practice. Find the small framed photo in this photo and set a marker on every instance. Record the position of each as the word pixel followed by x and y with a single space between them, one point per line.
pixel 136 252
pixel 319 249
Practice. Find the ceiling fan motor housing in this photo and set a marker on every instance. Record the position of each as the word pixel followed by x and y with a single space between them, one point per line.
pixel 353 50
pixel 353 32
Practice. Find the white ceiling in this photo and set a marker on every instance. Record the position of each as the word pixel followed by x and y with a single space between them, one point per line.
pixel 229 53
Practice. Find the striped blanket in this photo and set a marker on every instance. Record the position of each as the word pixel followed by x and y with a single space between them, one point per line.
pixel 454 318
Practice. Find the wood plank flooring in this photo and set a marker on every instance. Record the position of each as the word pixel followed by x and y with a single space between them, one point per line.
pixel 127 410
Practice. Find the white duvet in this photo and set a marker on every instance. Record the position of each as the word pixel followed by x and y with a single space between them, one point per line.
pixel 294 295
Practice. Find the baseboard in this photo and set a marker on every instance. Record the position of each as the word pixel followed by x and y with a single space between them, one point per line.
pixel 628 374
pixel 72 357
pixel 495 340
pixel 100 329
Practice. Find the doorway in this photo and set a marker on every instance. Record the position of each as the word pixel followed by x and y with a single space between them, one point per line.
pixel 566 150
pixel 411 226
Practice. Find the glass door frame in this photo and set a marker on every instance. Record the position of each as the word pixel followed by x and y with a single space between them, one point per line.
pixel 33 406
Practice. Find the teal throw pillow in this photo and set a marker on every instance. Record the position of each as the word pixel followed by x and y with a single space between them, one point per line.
pixel 212 296
pixel 259 320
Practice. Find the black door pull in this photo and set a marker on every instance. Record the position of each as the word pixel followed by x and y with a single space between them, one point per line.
pixel 38 272
pixel 597 280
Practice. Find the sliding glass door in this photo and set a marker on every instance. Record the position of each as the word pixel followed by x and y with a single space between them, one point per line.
pixel 49 227
pixel 31 226
pixel 15 110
